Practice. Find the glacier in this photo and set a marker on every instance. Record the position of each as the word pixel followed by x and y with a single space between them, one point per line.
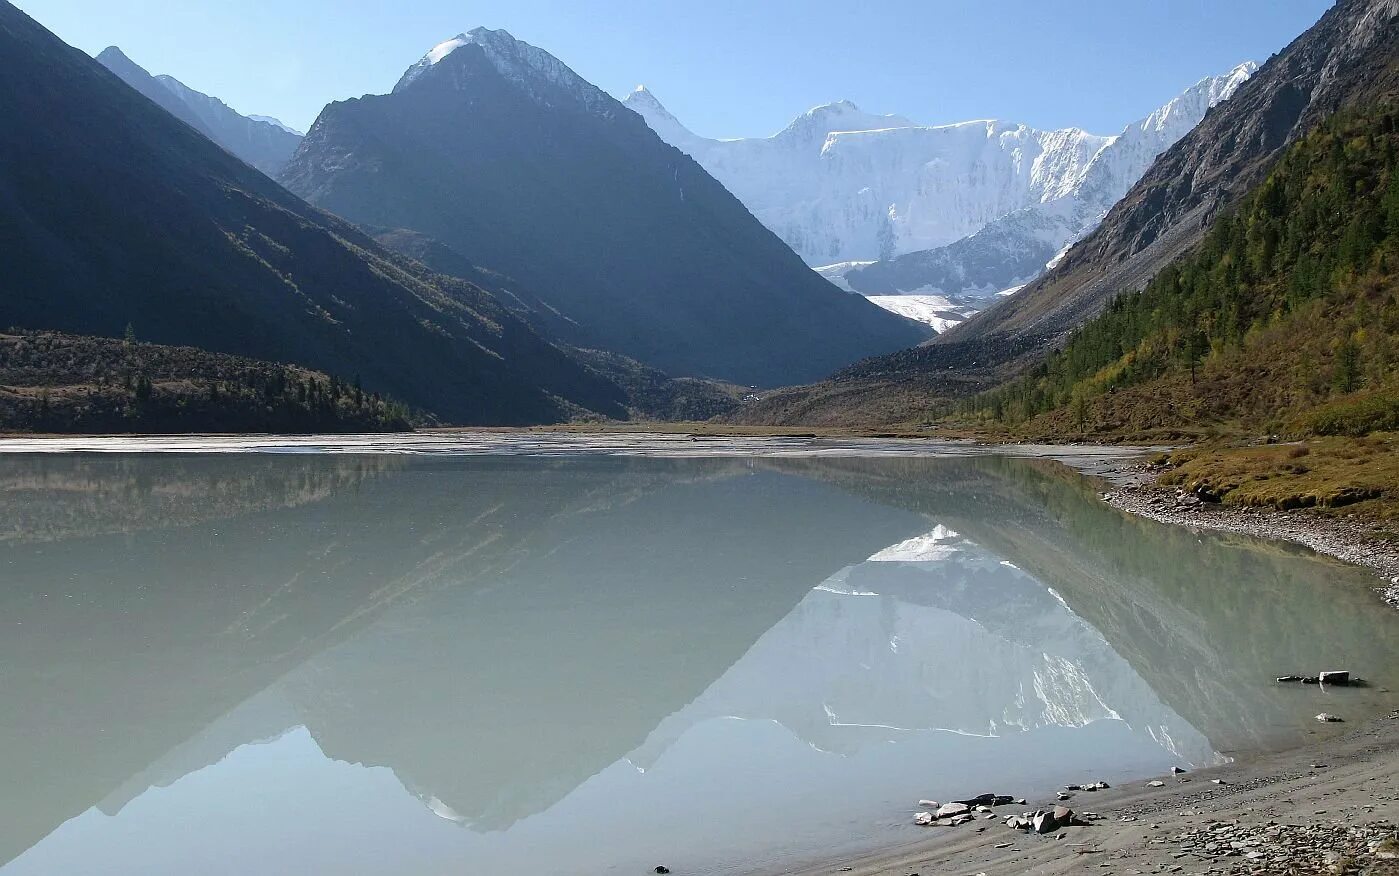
pixel 954 214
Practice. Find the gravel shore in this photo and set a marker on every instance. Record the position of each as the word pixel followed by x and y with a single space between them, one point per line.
pixel 1326 807
pixel 1350 539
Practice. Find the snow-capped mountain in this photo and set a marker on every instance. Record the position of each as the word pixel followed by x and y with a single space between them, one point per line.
pixel 497 150
pixel 959 211
pixel 261 141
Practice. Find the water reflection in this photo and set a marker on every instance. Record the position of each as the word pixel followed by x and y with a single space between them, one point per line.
pixel 580 664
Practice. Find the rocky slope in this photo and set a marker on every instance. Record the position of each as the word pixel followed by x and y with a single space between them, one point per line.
pixel 499 151
pixel 114 213
pixel 263 142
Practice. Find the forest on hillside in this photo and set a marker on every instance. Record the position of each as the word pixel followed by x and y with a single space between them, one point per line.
pixel 52 382
pixel 1284 318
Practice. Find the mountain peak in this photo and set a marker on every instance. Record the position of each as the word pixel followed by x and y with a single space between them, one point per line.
pixel 642 101
pixel 840 115
pixel 112 52
pixel 535 71
pixel 645 104
pixel 1185 110
pixel 116 60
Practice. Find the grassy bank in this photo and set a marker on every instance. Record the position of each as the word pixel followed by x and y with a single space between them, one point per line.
pixel 1334 475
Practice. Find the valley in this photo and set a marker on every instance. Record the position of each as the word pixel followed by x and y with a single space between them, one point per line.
pixel 492 468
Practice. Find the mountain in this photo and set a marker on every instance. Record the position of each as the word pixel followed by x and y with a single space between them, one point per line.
pixel 954 214
pixel 1281 317
pixel 261 141
pixel 1348 59
pixel 839 184
pixel 502 153
pixel 115 214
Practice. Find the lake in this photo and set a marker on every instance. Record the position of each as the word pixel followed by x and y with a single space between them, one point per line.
pixel 562 662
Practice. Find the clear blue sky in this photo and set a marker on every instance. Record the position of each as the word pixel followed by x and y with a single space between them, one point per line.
pixel 726 68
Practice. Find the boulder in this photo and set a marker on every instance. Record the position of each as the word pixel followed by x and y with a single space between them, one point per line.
pixel 1156 783
pixel 948 810
pixel 1334 676
pixel 923 818
pixel 961 819
pixel 930 804
pixel 1328 718
pixel 1044 822
pixel 979 800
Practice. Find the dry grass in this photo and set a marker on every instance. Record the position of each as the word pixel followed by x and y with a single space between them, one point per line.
pixel 1360 475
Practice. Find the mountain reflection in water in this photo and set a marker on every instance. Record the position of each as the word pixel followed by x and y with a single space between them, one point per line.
pixel 580 664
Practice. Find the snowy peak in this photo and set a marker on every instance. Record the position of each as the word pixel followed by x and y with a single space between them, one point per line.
pixel 821 121
pixel 648 106
pixel 645 104
pixel 539 74
pixel 1185 111
pixel 839 184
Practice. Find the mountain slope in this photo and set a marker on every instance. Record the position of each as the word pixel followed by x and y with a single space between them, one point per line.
pixel 263 142
pixel 502 153
pixel 1281 318
pixel 114 213
pixel 68 383
pixel 1349 55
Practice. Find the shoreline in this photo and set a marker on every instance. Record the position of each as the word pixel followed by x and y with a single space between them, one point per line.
pixel 1348 539
pixel 1306 807
pixel 1297 808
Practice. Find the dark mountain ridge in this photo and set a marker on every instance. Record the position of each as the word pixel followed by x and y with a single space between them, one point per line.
pixel 113 213
pixel 502 153
pixel 261 144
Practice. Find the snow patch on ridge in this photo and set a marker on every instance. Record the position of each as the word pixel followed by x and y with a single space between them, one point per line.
pixel 531 68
